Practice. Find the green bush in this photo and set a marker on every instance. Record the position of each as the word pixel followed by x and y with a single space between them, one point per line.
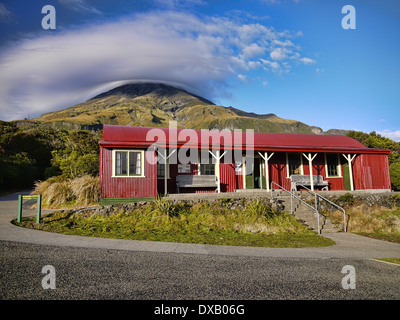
pixel 165 206
pixel 346 199
pixel 258 207
pixel 395 175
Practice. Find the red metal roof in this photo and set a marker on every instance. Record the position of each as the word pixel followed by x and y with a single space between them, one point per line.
pixel 126 136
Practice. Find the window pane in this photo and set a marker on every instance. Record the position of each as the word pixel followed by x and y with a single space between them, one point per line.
pixel 207 169
pixel 121 163
pixel 207 166
pixel 332 164
pixel 294 163
pixel 135 164
pixel 160 170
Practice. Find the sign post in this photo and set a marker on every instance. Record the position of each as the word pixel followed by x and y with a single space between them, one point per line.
pixel 38 198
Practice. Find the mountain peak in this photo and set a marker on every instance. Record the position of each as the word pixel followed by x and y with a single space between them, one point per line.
pixel 154 89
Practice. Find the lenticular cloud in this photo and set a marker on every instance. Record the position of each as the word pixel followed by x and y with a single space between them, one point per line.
pixel 52 72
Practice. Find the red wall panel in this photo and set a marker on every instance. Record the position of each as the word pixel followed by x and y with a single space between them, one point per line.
pixel 278 171
pixel 371 171
pixel 228 177
pixel 121 187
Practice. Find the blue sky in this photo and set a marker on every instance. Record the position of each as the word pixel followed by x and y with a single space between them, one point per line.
pixel 288 57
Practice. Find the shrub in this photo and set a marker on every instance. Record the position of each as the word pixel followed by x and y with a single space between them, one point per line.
pixel 258 207
pixel 86 189
pixel 165 206
pixel 395 175
pixel 347 198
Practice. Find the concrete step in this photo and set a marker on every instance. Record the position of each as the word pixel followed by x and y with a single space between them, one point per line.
pixel 305 214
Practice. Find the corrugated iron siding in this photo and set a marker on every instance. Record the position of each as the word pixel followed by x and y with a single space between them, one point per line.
pixel 112 187
pixel 278 171
pixel 228 177
pixel 371 171
pixel 335 183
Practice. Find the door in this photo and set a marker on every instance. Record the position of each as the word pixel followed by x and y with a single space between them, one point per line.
pixel 346 176
pixel 253 180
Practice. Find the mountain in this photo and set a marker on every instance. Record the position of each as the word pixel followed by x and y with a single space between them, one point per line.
pixel 155 104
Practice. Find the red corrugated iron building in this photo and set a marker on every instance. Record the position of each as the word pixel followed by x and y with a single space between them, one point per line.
pixel 131 166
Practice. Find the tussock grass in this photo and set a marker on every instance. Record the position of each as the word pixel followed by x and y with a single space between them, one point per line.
pixel 59 192
pixel 86 189
pixel 375 221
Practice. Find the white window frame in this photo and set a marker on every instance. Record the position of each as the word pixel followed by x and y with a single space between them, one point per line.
pixel 168 170
pixel 339 167
pixel 199 164
pixel 287 163
pixel 142 174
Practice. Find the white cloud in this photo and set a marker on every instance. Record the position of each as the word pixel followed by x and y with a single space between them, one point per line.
pixel 394 135
pixel 253 50
pixel 278 54
pixel 54 71
pixel 307 60
pixel 275 2
pixel 286 43
pixel 171 4
pixel 271 66
pixel 5 14
pixel 271 2
pixel 79 5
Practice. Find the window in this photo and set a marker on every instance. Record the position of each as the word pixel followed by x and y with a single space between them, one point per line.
pixel 161 170
pixel 208 167
pixel 128 163
pixel 294 163
pixel 332 165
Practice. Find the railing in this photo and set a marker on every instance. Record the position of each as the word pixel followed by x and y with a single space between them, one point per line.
pixel 332 203
pixel 292 195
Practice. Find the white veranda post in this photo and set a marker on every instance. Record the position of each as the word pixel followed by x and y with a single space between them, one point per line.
pixel 266 158
pixel 350 159
pixel 310 160
pixel 217 173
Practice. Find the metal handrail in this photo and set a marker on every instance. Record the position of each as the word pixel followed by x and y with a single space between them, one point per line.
pixel 301 200
pixel 332 203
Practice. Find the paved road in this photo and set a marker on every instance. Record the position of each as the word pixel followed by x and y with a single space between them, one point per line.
pixel 90 268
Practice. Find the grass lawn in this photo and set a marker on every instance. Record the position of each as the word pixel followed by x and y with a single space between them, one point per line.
pixel 392 260
pixel 253 224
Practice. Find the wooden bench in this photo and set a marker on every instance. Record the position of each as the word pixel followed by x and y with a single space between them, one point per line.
pixel 195 181
pixel 304 180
